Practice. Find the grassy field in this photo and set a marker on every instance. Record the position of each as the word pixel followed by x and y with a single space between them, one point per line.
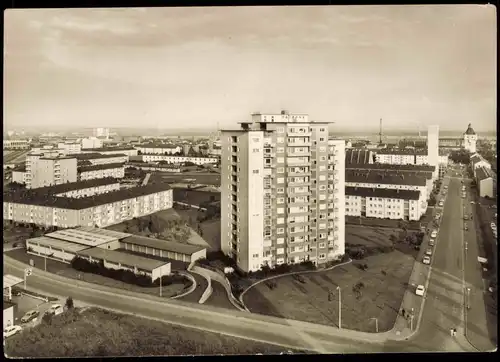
pixel 384 283
pixel 210 229
pixel 100 333
pixel 67 271
pixel 194 197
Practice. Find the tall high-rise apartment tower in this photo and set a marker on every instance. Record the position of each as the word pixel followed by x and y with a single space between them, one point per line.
pixel 282 192
pixel 433 148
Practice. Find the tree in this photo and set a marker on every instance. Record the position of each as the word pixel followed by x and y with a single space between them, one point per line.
pixel 69 303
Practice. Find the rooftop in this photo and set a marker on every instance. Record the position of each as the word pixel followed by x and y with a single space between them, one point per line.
pixel 107 149
pixel 470 130
pixel 416 152
pixel 389 167
pixel 163 244
pixel 382 193
pixel 386 178
pixel 106 166
pixel 70 186
pixel 91 156
pixel 57 243
pixel 483 173
pixel 81 237
pixel 107 232
pixel 130 260
pixel 29 197
pixel 357 156
pixel 58 158
pixel 7 304
pixel 156 145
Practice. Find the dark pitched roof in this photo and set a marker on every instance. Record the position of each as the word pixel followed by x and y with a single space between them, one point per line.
pixel 100 167
pixel 91 156
pixel 386 178
pixel 382 193
pixel 416 152
pixel 156 145
pixel 58 158
pixel 483 173
pixel 389 167
pixel 70 186
pixel 30 197
pixel 470 130
pixel 357 156
pixel 106 149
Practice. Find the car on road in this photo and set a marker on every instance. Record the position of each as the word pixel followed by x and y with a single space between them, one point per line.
pixel 434 234
pixel 431 242
pixel 446 187
pixel 428 251
pixel 466 228
pixel 472 202
pixel 426 260
pixel 29 316
pixel 11 330
pixel 466 217
pixel 420 290
pixel 441 203
pixel 55 309
pixel 463 196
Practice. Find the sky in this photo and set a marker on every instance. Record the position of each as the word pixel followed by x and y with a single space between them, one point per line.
pixel 412 66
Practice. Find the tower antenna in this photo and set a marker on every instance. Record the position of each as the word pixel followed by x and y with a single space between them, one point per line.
pixel 380 133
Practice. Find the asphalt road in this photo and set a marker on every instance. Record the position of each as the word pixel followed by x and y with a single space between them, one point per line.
pixel 287 333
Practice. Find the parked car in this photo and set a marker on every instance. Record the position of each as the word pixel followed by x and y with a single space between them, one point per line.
pixel 438 215
pixel 466 217
pixel 493 225
pixel 426 260
pixel 29 316
pixel 11 330
pixel 446 187
pixel 420 290
pixel 434 234
pixel 55 309
pixel 428 251
pixel 431 242
pixel 466 228
pixel 18 245
pixel 441 203
pixel 472 202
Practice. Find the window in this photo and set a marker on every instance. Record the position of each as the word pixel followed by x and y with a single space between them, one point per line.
pixel 281 230
pixel 281 159
pixel 256 139
pixel 280 210
pixel 280 220
pixel 280 189
pixel 281 180
pixel 322 130
pixel 255 150
pixel 255 255
pixel 280 129
pixel 280 140
pixel 281 169
pixel 280 200
pixel 321 139
pixel 255 171
pixel 281 149
pixel 322 256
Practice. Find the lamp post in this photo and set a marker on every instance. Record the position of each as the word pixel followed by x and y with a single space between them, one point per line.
pixel 340 307
pixel 160 283
pixel 468 298
pixel 45 260
pixel 376 323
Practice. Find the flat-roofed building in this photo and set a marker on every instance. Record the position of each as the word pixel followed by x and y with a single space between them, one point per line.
pixel 53 248
pixel 477 161
pixel 9 311
pixel 115 170
pixel 70 148
pixel 154 167
pixel 165 249
pixel 383 203
pixel 43 170
pixel 402 157
pixel 16 144
pixel 91 142
pixel 113 259
pixel 358 156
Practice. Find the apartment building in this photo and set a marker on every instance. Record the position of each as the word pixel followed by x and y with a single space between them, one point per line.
pixel 383 203
pixel 417 181
pixel 153 167
pixel 16 144
pixel 115 170
pixel 149 158
pixel 277 192
pixel 486 182
pixel 49 209
pixel 401 157
pixel 44 170
pixel 91 142
pixel 357 156
pixel 70 148
pixel 477 161
pixel 87 159
pixel 129 151
pixel 158 149
pixel 100 132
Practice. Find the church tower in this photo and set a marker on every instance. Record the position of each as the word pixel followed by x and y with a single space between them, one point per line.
pixel 470 139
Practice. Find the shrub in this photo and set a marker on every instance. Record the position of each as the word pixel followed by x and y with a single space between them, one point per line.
pixel 47 318
pixel 69 303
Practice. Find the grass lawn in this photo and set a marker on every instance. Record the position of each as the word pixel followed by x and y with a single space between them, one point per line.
pixel 12 234
pixel 210 228
pixel 98 333
pixel 67 271
pixel 384 282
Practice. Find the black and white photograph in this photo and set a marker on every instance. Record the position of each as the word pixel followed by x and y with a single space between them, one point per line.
pixel 249 180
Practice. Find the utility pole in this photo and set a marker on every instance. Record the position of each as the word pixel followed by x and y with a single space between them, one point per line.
pixel 468 298
pixel 411 319
pixel 27 273
pixel 340 307
pixel 160 282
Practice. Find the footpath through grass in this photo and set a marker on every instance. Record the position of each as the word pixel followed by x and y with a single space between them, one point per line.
pixel 101 333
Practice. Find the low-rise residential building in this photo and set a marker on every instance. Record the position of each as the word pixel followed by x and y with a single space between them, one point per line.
pixel 486 182
pixel 83 188
pixel 42 170
pixel 115 170
pixel 16 144
pixel 154 167
pixel 49 209
pixel 383 203
pixel 158 148
pixel 129 151
pixel 174 159
pixel 477 161
pixel 91 142
pixel 70 148
pixel 402 157
pixel 421 182
pixel 358 156
pixel 101 159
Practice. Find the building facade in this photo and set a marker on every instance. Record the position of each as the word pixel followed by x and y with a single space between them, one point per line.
pixel 276 203
pixel 44 170
pixel 101 132
pixel 70 148
pixel 158 149
pixel 16 144
pixel 115 170
pixel 148 158
pixel 91 142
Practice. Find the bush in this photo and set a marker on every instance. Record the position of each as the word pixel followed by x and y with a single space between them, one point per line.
pixel 47 318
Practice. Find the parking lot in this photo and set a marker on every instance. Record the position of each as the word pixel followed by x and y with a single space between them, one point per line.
pixel 25 304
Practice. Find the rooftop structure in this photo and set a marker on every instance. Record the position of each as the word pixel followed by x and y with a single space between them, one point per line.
pixel 358 156
pixel 50 242
pixel 163 244
pixel 90 156
pixel 105 166
pixel 355 176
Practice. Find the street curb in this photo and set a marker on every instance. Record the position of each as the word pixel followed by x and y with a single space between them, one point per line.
pixel 284 275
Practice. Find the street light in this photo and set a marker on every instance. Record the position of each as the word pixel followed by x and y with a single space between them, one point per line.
pixel 340 307
pixel 376 323
pixel 468 298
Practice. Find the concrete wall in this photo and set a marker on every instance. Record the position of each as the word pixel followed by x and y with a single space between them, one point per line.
pixel 41 250
pixel 8 317
pixel 163 270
